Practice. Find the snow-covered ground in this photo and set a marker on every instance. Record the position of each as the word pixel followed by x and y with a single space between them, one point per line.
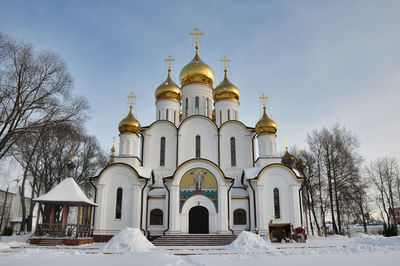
pixel 129 248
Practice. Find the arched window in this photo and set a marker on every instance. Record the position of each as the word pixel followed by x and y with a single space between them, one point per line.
pixel 233 152
pixel 196 105
pixel 229 115
pixel 239 217
pixel 159 115
pixel 186 107
pixel 276 204
pixel 156 217
pixel 118 205
pixel 162 151
pixel 166 114
pixel 220 117
pixel 197 146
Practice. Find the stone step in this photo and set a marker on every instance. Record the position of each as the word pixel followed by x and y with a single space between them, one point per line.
pixel 50 242
pixel 194 240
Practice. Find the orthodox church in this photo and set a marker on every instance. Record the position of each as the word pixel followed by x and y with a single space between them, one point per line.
pixel 195 169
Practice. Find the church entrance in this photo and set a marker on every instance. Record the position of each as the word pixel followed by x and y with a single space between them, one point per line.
pixel 198 220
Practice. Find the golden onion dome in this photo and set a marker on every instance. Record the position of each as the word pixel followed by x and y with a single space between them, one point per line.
pixel 288 159
pixel 226 91
pixel 168 90
pixel 266 125
pixel 129 125
pixel 197 72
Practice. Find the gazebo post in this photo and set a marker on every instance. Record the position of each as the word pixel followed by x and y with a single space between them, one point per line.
pixel 64 219
pixel 78 220
pixel 38 217
pixel 51 216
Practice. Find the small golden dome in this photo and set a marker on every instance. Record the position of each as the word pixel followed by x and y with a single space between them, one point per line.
pixel 197 72
pixel 226 91
pixel 288 159
pixel 129 125
pixel 168 90
pixel 266 125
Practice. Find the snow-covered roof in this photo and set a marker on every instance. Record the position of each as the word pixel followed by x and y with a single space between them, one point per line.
pixel 297 172
pixel 250 173
pixel 67 191
pixel 239 193
pixel 144 172
pixel 157 192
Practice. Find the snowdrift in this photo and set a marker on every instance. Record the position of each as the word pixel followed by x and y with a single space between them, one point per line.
pixel 377 240
pixel 128 240
pixel 248 242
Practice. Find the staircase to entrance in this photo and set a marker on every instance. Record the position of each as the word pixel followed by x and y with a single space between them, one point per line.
pixel 194 240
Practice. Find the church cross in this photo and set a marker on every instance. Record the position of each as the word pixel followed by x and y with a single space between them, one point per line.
pixel 286 142
pixel 113 146
pixel 169 60
pixel 264 98
pixel 72 154
pixel 225 60
pixel 131 96
pixel 197 33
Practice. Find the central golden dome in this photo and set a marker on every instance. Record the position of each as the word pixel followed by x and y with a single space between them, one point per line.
pixel 129 125
pixel 197 72
pixel 226 91
pixel 168 90
pixel 266 125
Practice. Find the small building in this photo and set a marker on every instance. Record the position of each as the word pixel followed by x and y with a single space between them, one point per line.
pixel 64 216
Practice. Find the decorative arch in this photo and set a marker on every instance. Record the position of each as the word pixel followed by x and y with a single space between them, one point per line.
pixel 123 168
pixel 236 122
pixel 197 116
pixel 271 166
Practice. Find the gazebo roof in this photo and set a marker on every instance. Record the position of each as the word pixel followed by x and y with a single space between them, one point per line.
pixel 68 192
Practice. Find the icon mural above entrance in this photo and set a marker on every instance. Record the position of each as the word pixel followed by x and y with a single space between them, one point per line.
pixel 198 181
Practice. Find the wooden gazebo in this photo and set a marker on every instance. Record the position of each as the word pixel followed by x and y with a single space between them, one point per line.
pixel 64 216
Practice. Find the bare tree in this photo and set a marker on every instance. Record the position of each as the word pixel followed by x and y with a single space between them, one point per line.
pixel 34 92
pixel 384 173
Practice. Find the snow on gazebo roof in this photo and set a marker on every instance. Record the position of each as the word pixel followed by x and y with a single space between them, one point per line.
pixel 67 191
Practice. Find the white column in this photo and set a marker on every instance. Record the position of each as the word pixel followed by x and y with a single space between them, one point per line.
pixel 223 210
pixel 100 211
pixel 175 225
pixel 295 206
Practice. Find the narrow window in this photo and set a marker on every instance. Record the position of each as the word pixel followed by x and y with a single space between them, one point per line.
pixel 220 117
pixel 239 217
pixel 229 115
pixel 159 115
pixel 233 152
pixel 186 107
pixel 207 104
pixel 197 146
pixel 162 151
pixel 196 105
pixel 236 115
pixel 156 217
pixel 166 114
pixel 118 205
pixel 174 117
pixel 276 204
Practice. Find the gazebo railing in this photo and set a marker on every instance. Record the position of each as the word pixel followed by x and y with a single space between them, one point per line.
pixel 70 230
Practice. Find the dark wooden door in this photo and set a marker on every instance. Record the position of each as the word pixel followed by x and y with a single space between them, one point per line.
pixel 198 220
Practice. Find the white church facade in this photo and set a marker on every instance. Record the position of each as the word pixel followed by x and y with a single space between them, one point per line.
pixel 195 169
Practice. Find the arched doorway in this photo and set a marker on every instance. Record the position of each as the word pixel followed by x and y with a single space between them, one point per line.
pixel 198 220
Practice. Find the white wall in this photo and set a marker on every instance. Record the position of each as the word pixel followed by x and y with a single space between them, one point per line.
pixel 204 92
pixel 221 111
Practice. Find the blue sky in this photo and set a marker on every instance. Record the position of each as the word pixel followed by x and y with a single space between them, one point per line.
pixel 320 62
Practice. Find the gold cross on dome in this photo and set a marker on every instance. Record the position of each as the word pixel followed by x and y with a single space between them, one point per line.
pixel 264 98
pixel 197 33
pixel 225 60
pixel 169 60
pixel 131 96
pixel 286 142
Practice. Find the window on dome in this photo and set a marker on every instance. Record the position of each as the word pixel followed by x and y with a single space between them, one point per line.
pixel 196 105
pixel 236 115
pixel 276 204
pixel 174 117
pixel 233 152
pixel 220 117
pixel 156 217
pixel 186 107
pixel 118 205
pixel 162 151
pixel 166 114
pixel 159 114
pixel 207 104
pixel 239 217
pixel 197 146
pixel 229 115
